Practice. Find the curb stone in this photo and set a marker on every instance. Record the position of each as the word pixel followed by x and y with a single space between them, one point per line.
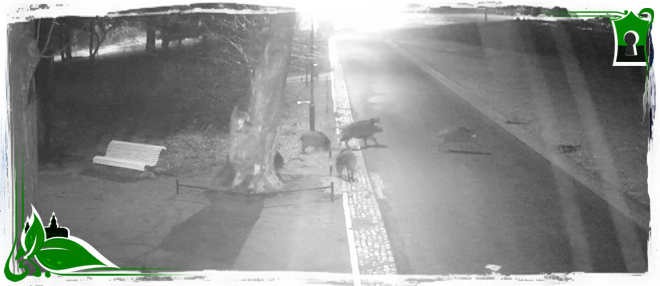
pixel 640 216
pixel 364 221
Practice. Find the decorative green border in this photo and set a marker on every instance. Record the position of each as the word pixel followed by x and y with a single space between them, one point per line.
pixel 69 256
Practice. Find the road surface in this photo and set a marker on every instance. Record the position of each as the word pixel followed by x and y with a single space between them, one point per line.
pixel 458 212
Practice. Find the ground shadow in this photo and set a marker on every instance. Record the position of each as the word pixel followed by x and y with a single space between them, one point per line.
pixel 377 146
pixel 210 239
pixel 107 175
pixel 468 152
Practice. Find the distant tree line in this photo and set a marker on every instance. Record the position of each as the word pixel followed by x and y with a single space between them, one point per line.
pixel 530 10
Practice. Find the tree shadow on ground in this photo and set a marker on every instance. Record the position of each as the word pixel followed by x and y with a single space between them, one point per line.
pixel 376 146
pixel 210 239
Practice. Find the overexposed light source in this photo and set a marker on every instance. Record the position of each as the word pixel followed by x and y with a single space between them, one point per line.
pixel 362 15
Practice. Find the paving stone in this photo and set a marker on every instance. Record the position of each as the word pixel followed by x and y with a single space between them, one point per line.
pixel 372 242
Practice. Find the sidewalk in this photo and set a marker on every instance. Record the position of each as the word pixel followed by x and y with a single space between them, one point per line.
pixel 301 230
pixel 301 78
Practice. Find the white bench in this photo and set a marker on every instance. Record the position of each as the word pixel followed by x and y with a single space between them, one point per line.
pixel 130 155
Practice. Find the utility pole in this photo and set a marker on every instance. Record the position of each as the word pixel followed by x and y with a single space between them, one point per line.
pixel 311 98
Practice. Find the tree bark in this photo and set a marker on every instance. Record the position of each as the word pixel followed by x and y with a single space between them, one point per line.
pixel 255 122
pixel 151 38
pixel 99 41
pixel 69 41
pixel 23 58
pixel 165 36
pixel 62 39
pixel 92 31
pixel 42 81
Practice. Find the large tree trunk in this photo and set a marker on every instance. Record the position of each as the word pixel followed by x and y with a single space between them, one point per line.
pixel 151 38
pixel 69 40
pixel 23 58
pixel 99 41
pixel 42 80
pixel 164 39
pixel 64 38
pixel 255 123
pixel 92 32
pixel 43 76
pixel 43 88
pixel 165 36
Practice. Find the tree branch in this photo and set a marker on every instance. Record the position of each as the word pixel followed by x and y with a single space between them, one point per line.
pixel 38 29
pixel 248 21
pixel 112 27
pixel 50 33
pixel 208 29
pixel 238 48
pixel 56 51
pixel 235 23
pixel 98 45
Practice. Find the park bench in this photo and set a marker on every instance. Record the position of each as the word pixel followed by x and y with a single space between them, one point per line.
pixel 130 155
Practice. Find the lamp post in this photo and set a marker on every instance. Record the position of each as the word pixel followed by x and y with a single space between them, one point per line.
pixel 311 95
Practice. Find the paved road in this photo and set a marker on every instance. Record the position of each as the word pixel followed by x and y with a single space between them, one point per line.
pixel 456 213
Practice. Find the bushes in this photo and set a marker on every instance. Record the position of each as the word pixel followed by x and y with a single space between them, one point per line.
pixel 142 95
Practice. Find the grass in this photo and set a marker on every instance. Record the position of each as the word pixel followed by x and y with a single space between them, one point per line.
pixel 182 98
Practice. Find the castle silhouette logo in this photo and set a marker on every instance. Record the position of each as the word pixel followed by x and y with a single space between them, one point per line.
pixel 630 38
pixel 53 249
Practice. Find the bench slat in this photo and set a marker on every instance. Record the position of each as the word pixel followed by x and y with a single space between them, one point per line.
pixel 130 155
pixel 134 154
pixel 134 145
pixel 119 163
pixel 126 151
pixel 127 161
pixel 146 157
pixel 122 154
pixel 135 150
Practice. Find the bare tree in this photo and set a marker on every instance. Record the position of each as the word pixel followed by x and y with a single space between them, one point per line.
pixel 254 128
pixel 260 47
pixel 98 29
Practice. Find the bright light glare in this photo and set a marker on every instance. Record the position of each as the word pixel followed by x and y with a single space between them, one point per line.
pixel 363 15
pixel 369 20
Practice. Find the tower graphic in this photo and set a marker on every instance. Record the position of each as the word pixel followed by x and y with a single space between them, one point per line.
pixel 630 38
